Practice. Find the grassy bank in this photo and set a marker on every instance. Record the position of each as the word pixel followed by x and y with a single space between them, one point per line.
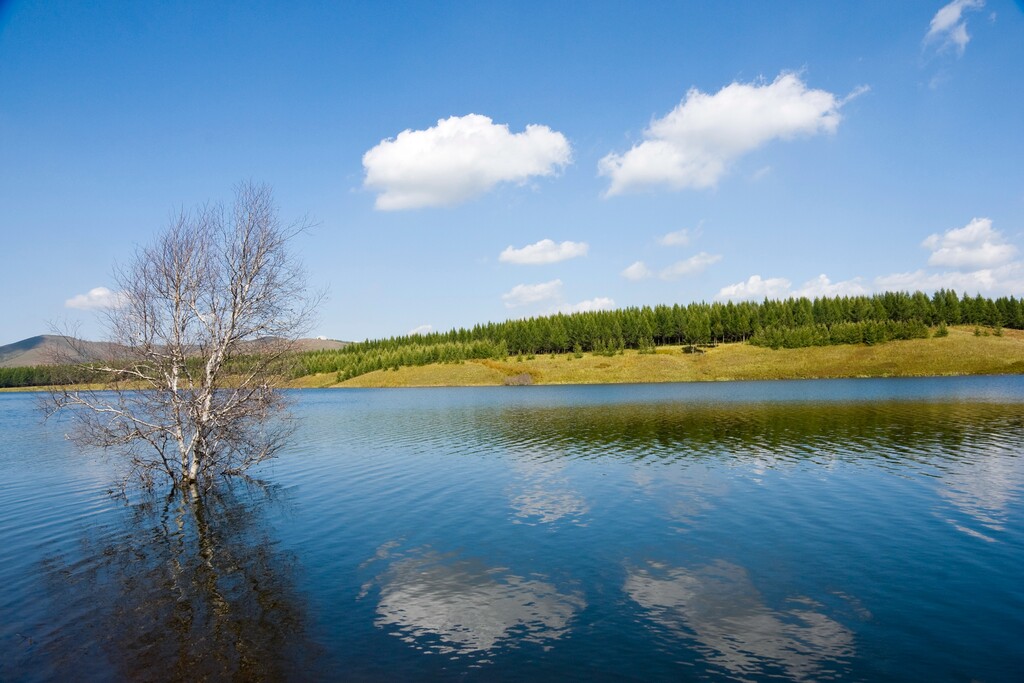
pixel 961 353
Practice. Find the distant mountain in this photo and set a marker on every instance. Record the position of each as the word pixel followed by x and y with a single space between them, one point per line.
pixel 48 349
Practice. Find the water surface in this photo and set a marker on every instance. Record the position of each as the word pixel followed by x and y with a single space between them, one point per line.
pixel 815 530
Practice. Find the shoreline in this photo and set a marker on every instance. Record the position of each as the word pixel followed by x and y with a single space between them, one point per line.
pixel 958 355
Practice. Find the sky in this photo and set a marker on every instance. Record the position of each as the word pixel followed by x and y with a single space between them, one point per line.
pixel 466 162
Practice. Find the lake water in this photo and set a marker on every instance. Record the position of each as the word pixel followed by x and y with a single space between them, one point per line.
pixel 819 530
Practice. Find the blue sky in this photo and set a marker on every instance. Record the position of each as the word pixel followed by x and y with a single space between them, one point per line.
pixel 466 162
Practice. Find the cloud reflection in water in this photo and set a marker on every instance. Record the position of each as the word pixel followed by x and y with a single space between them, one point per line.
pixel 719 607
pixel 544 495
pixel 983 488
pixel 450 605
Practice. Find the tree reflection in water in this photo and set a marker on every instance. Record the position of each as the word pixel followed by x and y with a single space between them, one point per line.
pixel 191 588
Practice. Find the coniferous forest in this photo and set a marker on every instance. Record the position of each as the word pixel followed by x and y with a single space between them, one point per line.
pixel 790 323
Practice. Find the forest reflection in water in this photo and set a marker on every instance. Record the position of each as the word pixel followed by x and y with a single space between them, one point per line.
pixel 192 587
pixel 857 431
pixel 969 449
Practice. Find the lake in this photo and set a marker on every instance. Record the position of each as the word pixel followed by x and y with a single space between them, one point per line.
pixel 807 530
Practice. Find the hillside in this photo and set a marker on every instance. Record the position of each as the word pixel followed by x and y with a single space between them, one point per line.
pixel 46 349
pixel 961 353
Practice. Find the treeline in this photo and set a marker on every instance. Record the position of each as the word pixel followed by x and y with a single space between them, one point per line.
pixel 369 360
pixel 774 323
pixel 863 332
pixel 789 323
pixel 45 375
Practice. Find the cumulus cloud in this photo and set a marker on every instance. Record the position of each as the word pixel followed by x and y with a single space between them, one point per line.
pixel 459 158
pixel 679 238
pixel 1006 279
pixel 637 271
pixel 694 144
pixel 948 28
pixel 822 286
pixel 522 295
pixel 976 245
pixel 422 329
pixel 974 258
pixel 697 263
pixel 756 288
pixel 95 299
pixel 551 292
pixel 545 251
pixel 600 303
pixel 780 288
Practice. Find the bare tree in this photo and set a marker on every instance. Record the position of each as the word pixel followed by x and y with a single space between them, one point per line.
pixel 205 317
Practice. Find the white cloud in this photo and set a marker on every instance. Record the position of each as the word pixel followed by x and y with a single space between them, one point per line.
pixel 600 303
pixel 976 245
pixel 521 295
pixel 761 173
pixel 545 251
pixel 693 145
pixel 97 298
pixel 679 238
pixel 422 329
pixel 637 271
pixel 822 286
pixel 948 27
pixel 697 263
pixel 756 288
pixel 1006 279
pixel 781 288
pixel 975 258
pixel 459 158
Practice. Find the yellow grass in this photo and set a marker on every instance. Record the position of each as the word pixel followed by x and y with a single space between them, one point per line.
pixel 81 387
pixel 961 353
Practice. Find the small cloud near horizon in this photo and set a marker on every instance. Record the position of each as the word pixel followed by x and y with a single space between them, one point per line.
pixel 600 303
pixel 978 258
pixel 679 238
pixel 97 298
pixel 976 245
pixel 697 263
pixel 522 295
pixel 756 287
pixel 637 271
pixel 543 252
